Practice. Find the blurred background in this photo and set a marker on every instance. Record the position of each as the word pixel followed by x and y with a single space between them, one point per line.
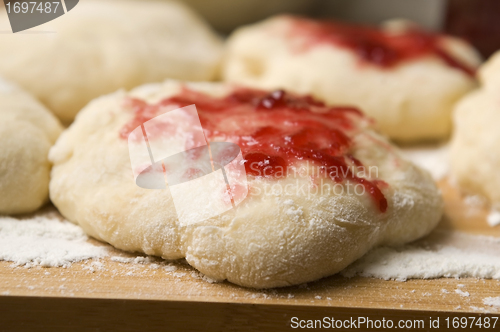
pixel 477 21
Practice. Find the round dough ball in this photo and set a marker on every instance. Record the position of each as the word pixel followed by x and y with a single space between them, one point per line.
pixel 409 90
pixel 27 131
pixel 101 46
pixel 489 76
pixel 474 153
pixel 287 230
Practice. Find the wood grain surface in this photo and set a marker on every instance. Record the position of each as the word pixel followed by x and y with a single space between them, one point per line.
pixel 151 294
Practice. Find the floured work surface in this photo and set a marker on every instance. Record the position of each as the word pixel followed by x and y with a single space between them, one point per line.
pixel 113 274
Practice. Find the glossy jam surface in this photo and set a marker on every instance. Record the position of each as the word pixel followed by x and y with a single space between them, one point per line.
pixel 275 131
pixel 375 46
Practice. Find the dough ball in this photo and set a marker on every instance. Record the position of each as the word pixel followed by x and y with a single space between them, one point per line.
pixel 101 46
pixel 297 223
pixel 405 78
pixel 475 156
pixel 27 131
pixel 489 73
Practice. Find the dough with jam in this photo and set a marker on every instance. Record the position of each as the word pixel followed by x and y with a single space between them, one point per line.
pixel 406 79
pixel 297 222
pixel 27 131
pixel 101 46
pixel 474 152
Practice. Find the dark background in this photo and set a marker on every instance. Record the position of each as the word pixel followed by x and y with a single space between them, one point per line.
pixel 477 21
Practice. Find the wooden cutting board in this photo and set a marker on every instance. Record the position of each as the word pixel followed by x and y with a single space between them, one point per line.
pixel 150 296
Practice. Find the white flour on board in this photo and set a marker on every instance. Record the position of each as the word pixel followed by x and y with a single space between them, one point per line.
pixel 492 301
pixel 441 254
pixel 47 240
pixel 44 240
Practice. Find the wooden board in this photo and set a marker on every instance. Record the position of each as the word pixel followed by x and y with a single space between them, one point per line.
pixel 88 292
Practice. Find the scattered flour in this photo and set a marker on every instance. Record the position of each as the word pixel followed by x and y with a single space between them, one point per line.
pixel 44 240
pixel 492 301
pixel 462 293
pixel 135 260
pixel 170 268
pixel 119 259
pixel 478 309
pixel 441 254
pixel 433 159
pixel 199 275
pixel 179 274
pixel 493 218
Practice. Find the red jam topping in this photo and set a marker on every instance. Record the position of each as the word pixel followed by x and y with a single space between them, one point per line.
pixel 375 46
pixel 275 131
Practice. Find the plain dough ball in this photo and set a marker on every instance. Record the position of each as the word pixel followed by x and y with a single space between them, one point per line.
pixel 101 46
pixel 475 155
pixel 489 73
pixel 27 131
pixel 268 240
pixel 410 102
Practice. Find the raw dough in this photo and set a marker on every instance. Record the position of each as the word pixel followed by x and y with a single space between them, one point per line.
pixel 475 155
pixel 27 131
pixel 411 100
pixel 101 46
pixel 270 239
